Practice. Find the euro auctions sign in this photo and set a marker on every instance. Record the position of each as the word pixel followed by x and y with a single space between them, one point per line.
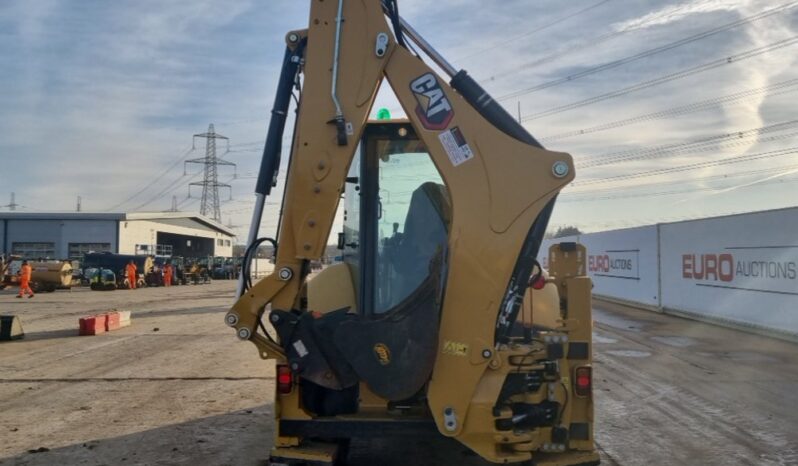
pixel 758 269
pixel 615 264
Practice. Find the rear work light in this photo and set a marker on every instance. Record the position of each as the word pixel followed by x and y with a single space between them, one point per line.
pixel 539 282
pixel 285 379
pixel 583 381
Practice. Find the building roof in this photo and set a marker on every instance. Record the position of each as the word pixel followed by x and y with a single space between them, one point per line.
pixel 117 216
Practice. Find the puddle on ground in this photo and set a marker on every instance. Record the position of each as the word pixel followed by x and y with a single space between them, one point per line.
pixel 742 356
pixel 601 339
pixel 606 318
pixel 628 353
pixel 678 342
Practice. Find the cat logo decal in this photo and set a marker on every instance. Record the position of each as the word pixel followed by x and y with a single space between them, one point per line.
pixel 433 108
pixel 382 353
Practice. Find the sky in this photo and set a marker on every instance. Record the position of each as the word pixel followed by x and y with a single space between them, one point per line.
pixel 672 109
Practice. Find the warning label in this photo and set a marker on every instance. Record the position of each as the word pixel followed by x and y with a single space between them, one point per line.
pixel 456 146
pixel 300 348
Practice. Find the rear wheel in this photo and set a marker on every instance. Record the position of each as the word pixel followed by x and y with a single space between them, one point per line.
pixel 343 451
pixel 288 462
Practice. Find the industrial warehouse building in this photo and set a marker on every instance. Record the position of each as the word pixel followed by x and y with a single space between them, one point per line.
pixel 70 235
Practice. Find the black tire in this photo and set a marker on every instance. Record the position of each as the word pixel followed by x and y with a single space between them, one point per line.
pixel 298 463
pixel 343 451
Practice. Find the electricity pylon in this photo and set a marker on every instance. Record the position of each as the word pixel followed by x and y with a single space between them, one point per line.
pixel 210 205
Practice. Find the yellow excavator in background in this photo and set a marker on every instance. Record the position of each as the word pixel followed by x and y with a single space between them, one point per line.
pixel 439 320
pixel 5 278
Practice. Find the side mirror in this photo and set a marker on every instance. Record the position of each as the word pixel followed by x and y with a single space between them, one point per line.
pixel 341 241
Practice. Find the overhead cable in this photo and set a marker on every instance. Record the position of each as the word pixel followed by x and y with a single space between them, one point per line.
pixel 648 53
pixel 666 78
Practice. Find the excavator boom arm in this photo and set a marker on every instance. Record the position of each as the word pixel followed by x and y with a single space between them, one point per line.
pixel 501 182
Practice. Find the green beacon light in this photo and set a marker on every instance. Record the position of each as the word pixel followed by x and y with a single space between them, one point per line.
pixel 383 114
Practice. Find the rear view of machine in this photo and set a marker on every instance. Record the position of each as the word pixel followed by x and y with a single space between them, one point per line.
pixel 429 325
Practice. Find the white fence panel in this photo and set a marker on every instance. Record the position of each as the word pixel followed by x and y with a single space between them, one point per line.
pixel 742 269
pixel 622 263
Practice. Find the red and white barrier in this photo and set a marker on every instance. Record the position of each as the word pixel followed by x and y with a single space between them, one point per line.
pixel 92 325
pixel 124 318
pixel 105 322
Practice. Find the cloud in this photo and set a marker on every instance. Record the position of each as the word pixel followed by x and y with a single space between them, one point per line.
pixel 102 94
pixel 102 97
pixel 673 13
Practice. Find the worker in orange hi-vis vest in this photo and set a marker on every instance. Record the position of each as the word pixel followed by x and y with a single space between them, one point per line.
pixel 167 274
pixel 130 270
pixel 25 273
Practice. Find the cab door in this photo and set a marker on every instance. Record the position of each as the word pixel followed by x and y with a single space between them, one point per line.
pixel 396 223
pixel 396 216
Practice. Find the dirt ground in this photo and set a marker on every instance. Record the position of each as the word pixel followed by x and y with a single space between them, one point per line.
pixel 178 388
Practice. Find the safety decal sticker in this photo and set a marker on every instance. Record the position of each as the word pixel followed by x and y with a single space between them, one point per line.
pixel 382 353
pixel 455 348
pixel 300 348
pixel 456 146
pixel 434 109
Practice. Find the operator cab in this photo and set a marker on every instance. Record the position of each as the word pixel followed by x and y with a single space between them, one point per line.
pixel 375 316
pixel 397 215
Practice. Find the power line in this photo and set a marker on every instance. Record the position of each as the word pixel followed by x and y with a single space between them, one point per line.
pixel 697 145
pixel 152 183
pixel 681 182
pixel 694 166
pixel 586 45
pixel 580 46
pixel 634 222
pixel 699 148
pixel 286 139
pixel 674 192
pixel 250 143
pixel 254 149
pixel 650 52
pixel 764 91
pixel 533 31
pixel 187 202
pixel 667 78
pixel 169 189
pixel 693 150
pixel 243 121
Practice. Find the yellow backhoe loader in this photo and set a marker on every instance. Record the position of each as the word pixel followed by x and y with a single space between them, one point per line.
pixel 439 321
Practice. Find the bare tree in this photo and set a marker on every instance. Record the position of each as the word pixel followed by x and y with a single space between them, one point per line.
pixel 567 230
